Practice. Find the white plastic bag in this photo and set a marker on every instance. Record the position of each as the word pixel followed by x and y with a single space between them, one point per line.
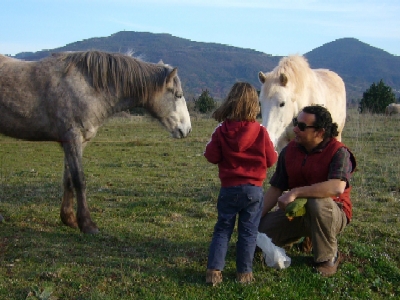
pixel 274 256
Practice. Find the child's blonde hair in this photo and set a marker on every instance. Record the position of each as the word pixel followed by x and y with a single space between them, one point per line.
pixel 241 104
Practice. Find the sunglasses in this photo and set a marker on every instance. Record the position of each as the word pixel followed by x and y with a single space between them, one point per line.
pixel 302 126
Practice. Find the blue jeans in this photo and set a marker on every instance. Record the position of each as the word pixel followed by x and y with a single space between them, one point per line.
pixel 246 201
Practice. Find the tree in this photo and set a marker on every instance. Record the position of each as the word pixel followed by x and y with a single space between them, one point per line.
pixel 205 103
pixel 376 98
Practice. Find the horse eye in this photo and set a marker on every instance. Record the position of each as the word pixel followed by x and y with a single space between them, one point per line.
pixel 282 104
pixel 178 95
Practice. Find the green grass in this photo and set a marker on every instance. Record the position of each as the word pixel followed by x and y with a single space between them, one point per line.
pixel 153 198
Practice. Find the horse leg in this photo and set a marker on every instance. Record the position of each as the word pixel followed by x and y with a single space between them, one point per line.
pixel 67 213
pixel 73 148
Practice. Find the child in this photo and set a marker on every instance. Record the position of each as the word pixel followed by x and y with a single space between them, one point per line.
pixel 243 151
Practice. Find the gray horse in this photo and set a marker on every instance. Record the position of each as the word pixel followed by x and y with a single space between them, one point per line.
pixel 66 98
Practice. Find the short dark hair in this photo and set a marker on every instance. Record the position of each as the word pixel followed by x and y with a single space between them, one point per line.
pixel 323 119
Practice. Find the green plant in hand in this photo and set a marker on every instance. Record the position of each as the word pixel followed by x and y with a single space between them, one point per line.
pixel 297 208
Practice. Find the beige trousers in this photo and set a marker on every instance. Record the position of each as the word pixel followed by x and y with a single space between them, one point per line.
pixel 323 221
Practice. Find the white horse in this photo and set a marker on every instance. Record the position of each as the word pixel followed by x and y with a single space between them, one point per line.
pixel 292 85
pixel 392 108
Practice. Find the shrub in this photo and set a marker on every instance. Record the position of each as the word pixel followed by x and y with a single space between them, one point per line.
pixel 376 98
pixel 205 103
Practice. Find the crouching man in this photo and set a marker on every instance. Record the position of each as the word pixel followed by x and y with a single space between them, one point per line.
pixel 318 167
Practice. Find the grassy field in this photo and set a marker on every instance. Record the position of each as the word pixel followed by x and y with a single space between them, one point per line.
pixel 154 198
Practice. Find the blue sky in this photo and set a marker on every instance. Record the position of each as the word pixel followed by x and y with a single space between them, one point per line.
pixel 276 27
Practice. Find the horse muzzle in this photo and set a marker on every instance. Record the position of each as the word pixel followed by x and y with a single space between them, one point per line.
pixel 179 133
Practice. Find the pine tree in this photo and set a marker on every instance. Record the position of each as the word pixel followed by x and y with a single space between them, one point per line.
pixel 205 103
pixel 376 98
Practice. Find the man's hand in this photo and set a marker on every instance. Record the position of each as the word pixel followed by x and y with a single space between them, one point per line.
pixel 285 199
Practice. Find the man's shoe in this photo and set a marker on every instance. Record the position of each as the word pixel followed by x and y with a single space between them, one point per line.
pixel 329 267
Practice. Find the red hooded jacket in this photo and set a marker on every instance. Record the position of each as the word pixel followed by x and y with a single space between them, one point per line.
pixel 243 151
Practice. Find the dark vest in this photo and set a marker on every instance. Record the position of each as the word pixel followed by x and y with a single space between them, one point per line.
pixel 305 169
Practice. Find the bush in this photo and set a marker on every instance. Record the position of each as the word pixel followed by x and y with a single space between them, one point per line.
pixel 376 98
pixel 205 103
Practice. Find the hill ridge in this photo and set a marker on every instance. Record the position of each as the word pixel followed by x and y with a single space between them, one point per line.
pixel 216 67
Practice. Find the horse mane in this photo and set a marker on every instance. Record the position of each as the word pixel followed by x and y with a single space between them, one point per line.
pixel 296 69
pixel 128 76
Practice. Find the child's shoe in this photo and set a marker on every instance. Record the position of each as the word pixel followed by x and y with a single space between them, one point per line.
pixel 244 277
pixel 213 277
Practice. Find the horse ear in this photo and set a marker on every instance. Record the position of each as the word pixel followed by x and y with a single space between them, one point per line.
pixel 170 78
pixel 262 77
pixel 283 80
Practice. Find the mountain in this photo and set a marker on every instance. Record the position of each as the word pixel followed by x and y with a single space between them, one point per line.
pixel 216 67
pixel 358 63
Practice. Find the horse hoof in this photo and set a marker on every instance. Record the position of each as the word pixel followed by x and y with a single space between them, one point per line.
pixel 72 224
pixel 92 230
pixel 68 219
